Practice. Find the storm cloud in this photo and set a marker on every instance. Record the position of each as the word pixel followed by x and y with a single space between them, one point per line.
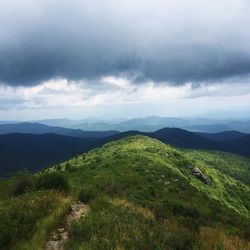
pixel 170 41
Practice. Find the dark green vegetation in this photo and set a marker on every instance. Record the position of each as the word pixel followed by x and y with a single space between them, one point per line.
pixel 142 194
pixel 30 207
pixel 34 152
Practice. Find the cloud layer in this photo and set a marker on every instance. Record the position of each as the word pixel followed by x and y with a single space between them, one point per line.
pixel 164 41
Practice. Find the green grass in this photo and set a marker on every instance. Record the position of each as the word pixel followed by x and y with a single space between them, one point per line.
pixel 27 219
pixel 143 195
pixel 47 224
pixel 233 165
pixel 141 168
pixel 118 224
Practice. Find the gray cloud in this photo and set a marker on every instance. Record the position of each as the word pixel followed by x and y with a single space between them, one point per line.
pixel 165 41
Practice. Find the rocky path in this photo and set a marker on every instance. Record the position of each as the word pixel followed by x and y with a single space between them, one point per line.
pixel 57 237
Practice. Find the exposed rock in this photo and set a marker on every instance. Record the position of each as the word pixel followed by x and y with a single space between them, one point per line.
pixel 198 174
pixel 61 230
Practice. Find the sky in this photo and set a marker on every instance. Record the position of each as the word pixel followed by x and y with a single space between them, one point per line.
pixel 113 58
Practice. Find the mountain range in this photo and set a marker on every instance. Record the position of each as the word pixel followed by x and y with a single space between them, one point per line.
pixel 36 151
pixel 152 123
pixel 37 128
pixel 146 124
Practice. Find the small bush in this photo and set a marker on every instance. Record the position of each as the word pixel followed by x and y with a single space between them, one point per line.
pixel 52 181
pixel 20 186
pixel 87 193
pixel 76 230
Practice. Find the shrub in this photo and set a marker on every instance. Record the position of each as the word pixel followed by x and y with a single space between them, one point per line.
pixel 21 185
pixel 52 181
pixel 76 230
pixel 87 193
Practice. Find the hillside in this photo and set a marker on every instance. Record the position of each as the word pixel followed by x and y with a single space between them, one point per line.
pixel 143 194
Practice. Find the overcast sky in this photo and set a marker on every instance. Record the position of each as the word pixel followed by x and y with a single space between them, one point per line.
pixel 112 58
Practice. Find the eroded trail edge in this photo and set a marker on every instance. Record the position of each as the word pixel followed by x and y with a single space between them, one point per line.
pixel 60 235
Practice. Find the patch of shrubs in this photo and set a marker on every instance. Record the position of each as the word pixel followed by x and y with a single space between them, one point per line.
pixel 21 185
pixel 52 181
pixel 87 194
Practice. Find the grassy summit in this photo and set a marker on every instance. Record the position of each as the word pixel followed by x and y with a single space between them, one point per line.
pixel 143 194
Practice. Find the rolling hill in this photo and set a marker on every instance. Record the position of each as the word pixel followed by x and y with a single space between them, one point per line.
pixel 143 194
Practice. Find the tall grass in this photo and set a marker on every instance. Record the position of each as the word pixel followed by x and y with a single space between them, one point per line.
pixel 27 219
pixel 211 238
pixel 118 224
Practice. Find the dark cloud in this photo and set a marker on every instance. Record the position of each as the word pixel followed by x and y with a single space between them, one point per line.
pixel 164 41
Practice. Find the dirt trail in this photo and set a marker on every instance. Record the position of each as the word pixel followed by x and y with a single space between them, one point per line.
pixel 56 239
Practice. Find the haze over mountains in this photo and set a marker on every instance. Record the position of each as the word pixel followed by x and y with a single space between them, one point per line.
pixel 146 124
pixel 37 128
pixel 152 123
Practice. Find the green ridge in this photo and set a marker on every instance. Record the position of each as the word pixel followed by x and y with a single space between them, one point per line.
pixel 143 195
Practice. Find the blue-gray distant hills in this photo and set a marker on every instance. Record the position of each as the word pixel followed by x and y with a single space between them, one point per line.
pixel 146 124
pixel 37 128
pixel 153 123
pixel 37 150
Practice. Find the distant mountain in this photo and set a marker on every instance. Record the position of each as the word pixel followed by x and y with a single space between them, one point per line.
pixel 82 124
pixel 223 136
pixel 66 123
pixel 231 141
pixel 209 128
pixel 239 146
pixel 149 124
pixel 183 138
pixel 36 128
pixel 153 123
pixel 227 141
pixel 98 126
pixel 156 121
pixel 9 122
pixel 242 126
